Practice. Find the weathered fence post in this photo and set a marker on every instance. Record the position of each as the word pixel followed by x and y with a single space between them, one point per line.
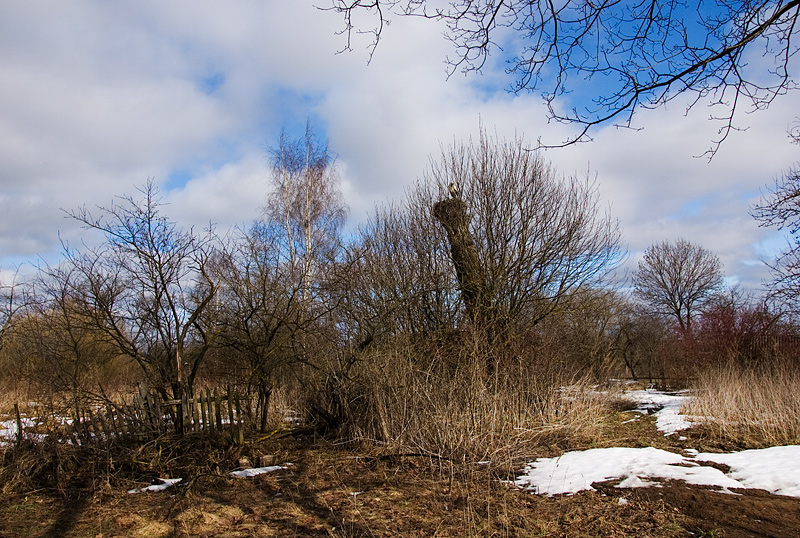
pixel 218 410
pixel 19 424
pixel 230 410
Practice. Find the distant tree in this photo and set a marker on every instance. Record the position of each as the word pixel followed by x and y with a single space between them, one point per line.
pixel 643 337
pixel 637 54
pixel 56 346
pixel 11 302
pixel 676 279
pixel 306 202
pixel 734 326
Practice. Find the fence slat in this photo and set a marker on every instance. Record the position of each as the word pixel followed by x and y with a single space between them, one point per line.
pixel 19 424
pixel 230 410
pixel 145 415
pixel 210 410
pixel 218 409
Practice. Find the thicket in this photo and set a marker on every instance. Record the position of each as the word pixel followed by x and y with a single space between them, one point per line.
pixel 469 321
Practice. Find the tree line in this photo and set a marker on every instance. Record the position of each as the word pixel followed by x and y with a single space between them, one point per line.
pixel 492 267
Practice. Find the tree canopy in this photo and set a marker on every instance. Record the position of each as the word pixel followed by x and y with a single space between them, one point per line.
pixel 676 279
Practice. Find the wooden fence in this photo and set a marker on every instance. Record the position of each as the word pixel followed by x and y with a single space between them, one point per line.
pixel 148 415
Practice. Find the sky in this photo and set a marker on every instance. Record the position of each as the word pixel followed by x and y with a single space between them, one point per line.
pixel 98 97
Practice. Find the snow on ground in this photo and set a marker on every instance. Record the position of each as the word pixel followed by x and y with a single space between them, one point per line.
pixel 667 408
pixel 639 467
pixel 164 483
pixel 9 430
pixel 247 473
pixel 776 469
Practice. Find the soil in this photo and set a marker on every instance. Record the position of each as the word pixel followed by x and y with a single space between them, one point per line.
pixel 749 514
pixel 333 492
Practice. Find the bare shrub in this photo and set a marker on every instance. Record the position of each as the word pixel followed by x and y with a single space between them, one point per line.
pixel 448 409
pixel 750 406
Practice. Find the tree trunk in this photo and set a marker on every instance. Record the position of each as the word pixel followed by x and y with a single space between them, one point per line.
pixel 487 329
pixel 452 214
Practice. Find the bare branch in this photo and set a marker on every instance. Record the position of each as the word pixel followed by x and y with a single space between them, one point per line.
pixel 637 54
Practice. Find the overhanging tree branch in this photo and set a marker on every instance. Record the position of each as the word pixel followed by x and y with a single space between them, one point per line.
pixel 642 54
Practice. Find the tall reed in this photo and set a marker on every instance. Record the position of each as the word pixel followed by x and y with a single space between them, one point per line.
pixel 754 407
pixel 461 413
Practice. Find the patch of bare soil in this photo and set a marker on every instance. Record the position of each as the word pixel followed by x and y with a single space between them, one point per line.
pixel 748 514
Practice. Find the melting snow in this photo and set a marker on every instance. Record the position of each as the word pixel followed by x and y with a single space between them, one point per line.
pixel 247 473
pixel 164 484
pixel 776 469
pixel 667 408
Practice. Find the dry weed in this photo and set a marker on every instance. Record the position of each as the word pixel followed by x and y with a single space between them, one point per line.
pixel 465 416
pixel 749 407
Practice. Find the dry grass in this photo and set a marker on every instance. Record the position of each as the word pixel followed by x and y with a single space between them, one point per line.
pixel 747 407
pixel 465 416
pixel 334 492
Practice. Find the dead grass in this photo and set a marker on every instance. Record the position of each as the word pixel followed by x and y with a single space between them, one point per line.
pixel 750 408
pixel 334 492
pixel 462 415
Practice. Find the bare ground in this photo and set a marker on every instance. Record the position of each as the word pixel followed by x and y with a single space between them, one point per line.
pixel 330 491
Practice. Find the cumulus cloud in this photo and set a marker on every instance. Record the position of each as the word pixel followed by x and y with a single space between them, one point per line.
pixel 98 97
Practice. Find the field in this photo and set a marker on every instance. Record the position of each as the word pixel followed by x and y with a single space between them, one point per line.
pixel 344 490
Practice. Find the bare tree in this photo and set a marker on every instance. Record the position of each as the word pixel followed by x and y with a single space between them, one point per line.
pixel 306 202
pixel 399 277
pixel 275 275
pixel 148 288
pixel 58 347
pixel 535 236
pixel 676 279
pixel 780 207
pixel 262 307
pixel 10 304
pixel 637 54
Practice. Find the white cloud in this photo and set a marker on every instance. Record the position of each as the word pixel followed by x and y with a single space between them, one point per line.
pixel 97 97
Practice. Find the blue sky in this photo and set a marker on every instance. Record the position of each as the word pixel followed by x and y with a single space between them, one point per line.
pixel 96 97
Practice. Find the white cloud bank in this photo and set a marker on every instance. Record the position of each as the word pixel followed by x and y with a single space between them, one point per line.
pixel 97 97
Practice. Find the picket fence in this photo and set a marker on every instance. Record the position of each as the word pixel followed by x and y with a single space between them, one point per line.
pixel 147 415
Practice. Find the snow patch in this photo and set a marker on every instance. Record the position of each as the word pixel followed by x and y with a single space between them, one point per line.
pixel 665 406
pixel 776 470
pixel 248 473
pixel 163 483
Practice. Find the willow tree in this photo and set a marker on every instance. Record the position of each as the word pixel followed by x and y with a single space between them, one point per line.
pixel 522 237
